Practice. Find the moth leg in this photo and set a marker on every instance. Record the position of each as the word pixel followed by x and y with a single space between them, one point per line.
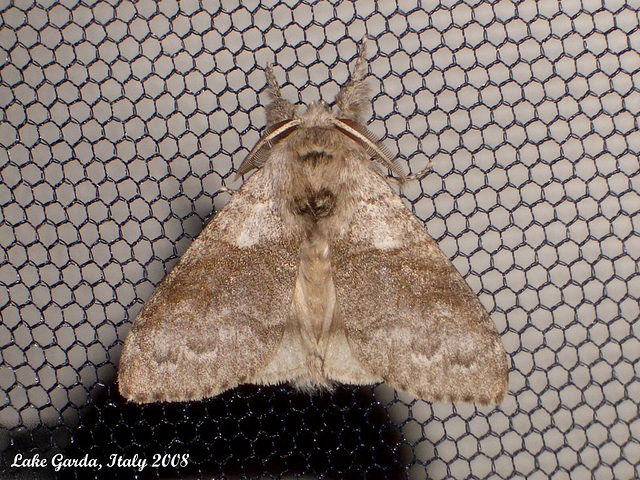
pixel 360 69
pixel 353 98
pixel 279 109
pixel 422 173
pixel 401 182
pixel 225 189
pixel 272 83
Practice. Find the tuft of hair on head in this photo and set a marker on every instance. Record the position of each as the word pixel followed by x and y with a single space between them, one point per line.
pixel 354 97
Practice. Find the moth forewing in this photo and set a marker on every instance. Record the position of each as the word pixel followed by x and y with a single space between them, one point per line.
pixel 219 315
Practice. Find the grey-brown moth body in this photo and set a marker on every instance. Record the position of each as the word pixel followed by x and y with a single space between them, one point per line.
pixel 314 273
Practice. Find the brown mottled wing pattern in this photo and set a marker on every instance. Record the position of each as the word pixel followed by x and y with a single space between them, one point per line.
pixel 216 318
pixel 409 315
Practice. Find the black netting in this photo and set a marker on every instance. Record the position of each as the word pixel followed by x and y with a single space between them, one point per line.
pixel 120 122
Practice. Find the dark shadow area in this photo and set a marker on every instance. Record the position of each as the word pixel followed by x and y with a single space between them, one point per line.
pixel 247 432
pixel 29 445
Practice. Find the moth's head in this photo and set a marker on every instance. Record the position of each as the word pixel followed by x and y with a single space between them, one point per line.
pixel 318 114
pixel 345 115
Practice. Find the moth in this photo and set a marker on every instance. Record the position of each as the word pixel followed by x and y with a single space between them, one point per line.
pixel 314 273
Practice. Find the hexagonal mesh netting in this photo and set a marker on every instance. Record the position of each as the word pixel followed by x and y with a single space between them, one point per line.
pixel 120 121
